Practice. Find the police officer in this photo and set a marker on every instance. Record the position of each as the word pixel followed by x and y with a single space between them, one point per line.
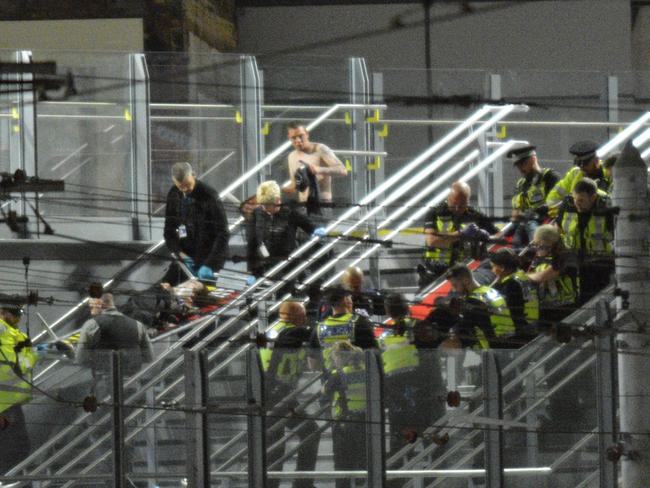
pixel 587 227
pixel 400 360
pixel 110 330
pixel 554 269
pixel 346 389
pixel 343 324
pixel 412 380
pixel 271 230
pixel 366 301
pixel 17 359
pixel 196 227
pixel 529 201
pixel 453 232
pixel 587 164
pixel 486 319
pixel 283 361
pixel 519 292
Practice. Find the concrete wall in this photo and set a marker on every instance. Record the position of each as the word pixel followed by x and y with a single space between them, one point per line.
pixel 530 35
pixel 557 54
pixel 87 34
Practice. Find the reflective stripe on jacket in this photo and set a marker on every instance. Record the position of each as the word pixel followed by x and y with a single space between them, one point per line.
pixel 351 398
pixel 500 318
pixel 594 240
pixel 289 367
pixel 398 353
pixel 534 195
pixel 558 292
pixel 529 290
pixel 334 329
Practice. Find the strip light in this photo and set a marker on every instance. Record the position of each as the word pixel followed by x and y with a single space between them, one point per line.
pixel 434 201
pixel 617 140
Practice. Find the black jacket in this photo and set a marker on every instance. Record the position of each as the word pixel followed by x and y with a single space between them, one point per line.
pixel 278 234
pixel 204 217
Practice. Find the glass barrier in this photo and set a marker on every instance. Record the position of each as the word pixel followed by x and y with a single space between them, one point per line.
pixel 156 424
pixel 556 407
pixel 61 423
pixel 196 116
pixel 85 139
pixel 434 400
pixel 315 419
pixel 228 420
pixel 302 93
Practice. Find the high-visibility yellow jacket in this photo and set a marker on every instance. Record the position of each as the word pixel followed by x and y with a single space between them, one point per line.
pixel 565 186
pixel 500 318
pixel 398 352
pixel 16 364
pixel 349 399
pixel 595 239
pixel 289 368
pixel 529 290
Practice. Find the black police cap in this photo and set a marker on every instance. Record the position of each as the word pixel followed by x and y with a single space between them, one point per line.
pixel 12 303
pixel 521 153
pixel 584 150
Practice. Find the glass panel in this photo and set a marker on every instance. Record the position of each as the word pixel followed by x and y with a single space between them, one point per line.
pixel 303 92
pixel 85 139
pixel 195 117
pixel 417 420
pixel 58 431
pixel 228 427
pixel 556 402
pixel 156 425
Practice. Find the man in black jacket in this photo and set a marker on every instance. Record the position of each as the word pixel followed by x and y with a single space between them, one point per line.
pixel 196 227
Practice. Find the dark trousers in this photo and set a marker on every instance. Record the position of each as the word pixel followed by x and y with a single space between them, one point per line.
pixel 14 439
pixel 349 443
pixel 307 432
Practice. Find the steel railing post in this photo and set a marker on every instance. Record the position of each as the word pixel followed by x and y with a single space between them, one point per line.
pixel 492 408
pixel 375 431
pixel 196 419
pixel 256 422
pixel 119 458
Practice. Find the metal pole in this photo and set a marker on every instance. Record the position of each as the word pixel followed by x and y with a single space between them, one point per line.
pixel 605 389
pixel 251 122
pixel 196 419
pixel 632 276
pixel 375 431
pixel 359 94
pixel 256 422
pixel 118 422
pixel 612 103
pixel 140 147
pixel 492 408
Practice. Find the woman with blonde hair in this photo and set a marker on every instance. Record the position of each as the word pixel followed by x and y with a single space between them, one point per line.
pixel 271 230
pixel 554 270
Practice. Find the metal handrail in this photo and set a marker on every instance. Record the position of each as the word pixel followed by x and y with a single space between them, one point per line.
pixel 529 349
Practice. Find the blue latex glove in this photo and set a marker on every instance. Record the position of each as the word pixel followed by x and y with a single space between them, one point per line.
pixel 319 232
pixel 250 280
pixel 205 273
pixel 189 262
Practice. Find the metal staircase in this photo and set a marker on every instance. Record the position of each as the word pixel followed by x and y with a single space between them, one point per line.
pixel 163 381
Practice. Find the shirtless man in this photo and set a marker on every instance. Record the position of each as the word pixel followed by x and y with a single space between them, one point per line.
pixel 319 159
